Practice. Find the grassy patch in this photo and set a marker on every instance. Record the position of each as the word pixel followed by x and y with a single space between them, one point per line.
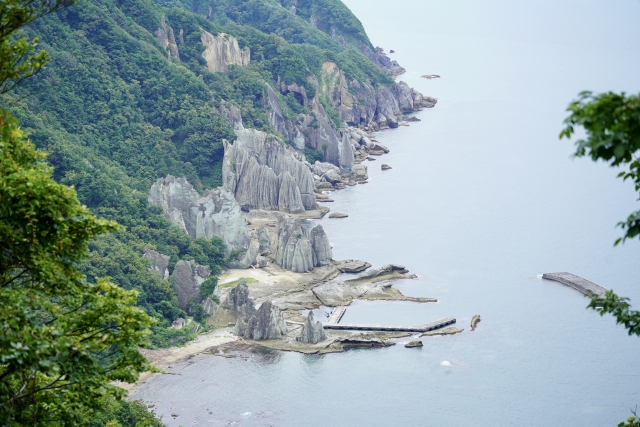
pixel 249 281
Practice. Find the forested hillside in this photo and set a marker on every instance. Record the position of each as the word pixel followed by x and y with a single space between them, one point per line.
pixel 129 97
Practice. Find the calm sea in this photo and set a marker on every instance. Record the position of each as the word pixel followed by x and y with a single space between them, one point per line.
pixel 481 199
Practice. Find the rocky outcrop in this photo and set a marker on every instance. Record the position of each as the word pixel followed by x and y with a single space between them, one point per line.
pixel 299 247
pixel 264 173
pixel 385 269
pixel 231 114
pixel 210 307
pixel 266 323
pixel 188 277
pixel 215 213
pixel 414 344
pixel 347 158
pixel 312 331
pixel 167 40
pixel 160 262
pixel 239 302
pixel 351 266
pixel 223 50
pixel 378 57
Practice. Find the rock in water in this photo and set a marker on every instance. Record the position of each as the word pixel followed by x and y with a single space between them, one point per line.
pixel 338 215
pixel 414 344
pixel 474 322
pixel 264 174
pixel 312 331
pixel 299 247
pixel 266 323
pixel 160 262
pixel 385 167
pixel 189 276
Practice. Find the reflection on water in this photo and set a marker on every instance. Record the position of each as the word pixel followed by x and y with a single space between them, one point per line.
pixel 481 199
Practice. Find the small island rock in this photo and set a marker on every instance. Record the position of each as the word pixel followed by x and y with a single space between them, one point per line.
pixel 414 344
pixel 385 167
pixel 338 215
pixel 474 322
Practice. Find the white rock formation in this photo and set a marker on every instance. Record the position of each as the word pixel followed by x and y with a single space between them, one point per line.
pixel 264 173
pixel 167 40
pixel 216 213
pixel 299 247
pixel 312 331
pixel 160 262
pixel 223 50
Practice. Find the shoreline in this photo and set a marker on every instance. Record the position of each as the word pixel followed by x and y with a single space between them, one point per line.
pixel 294 292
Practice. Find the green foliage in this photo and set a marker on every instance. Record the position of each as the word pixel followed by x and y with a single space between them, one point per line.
pixel 612 123
pixel 618 307
pixel 18 57
pixel 313 156
pixel 208 287
pixel 120 413
pixel 64 340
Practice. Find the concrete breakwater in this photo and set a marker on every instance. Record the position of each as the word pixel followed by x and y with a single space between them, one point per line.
pixel 338 313
pixel 576 282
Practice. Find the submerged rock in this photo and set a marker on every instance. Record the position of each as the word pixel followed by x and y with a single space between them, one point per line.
pixel 414 344
pixel 451 330
pixel 312 331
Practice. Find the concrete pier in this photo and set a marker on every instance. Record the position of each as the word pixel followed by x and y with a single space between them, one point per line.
pixel 336 315
pixel 577 283
pixel 384 328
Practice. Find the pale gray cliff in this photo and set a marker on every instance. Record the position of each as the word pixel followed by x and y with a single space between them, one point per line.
pixel 299 247
pixel 264 173
pixel 188 277
pixel 160 262
pixel 312 331
pixel 223 50
pixel 215 213
pixel 167 40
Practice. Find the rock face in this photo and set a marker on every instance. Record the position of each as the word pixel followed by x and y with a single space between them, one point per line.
pixel 312 331
pixel 188 278
pixel 264 173
pixel 216 213
pixel 223 50
pixel 299 247
pixel 160 263
pixel 378 57
pixel 167 40
pixel 239 302
pixel 266 323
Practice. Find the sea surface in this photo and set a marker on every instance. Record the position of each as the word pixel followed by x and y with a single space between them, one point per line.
pixel 482 198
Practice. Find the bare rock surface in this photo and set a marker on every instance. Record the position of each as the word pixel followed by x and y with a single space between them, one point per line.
pixel 338 215
pixel 474 322
pixel 160 262
pixel 188 278
pixel 414 344
pixel 312 331
pixel 223 50
pixel 167 40
pixel 299 247
pixel 264 173
pixel 216 213
pixel 451 330
pixel 266 323
pixel 351 266
pixel 385 167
